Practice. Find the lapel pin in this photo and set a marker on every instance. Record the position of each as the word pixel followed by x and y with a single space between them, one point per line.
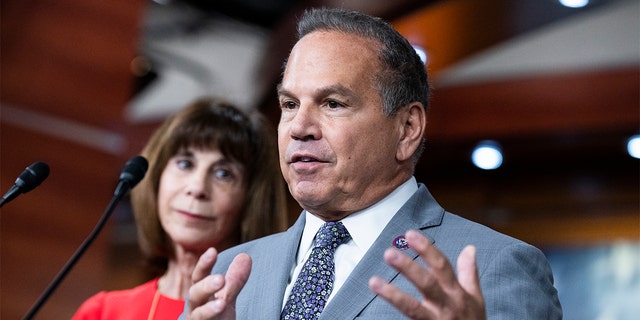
pixel 400 242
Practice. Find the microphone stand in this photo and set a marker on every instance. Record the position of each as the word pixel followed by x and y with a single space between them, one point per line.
pixel 120 192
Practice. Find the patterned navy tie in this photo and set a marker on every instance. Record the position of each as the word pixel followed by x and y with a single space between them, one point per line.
pixel 315 281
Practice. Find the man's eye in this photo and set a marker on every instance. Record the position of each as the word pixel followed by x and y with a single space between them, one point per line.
pixel 288 105
pixel 333 104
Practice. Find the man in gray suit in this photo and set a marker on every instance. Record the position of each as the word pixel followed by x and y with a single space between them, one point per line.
pixel 354 98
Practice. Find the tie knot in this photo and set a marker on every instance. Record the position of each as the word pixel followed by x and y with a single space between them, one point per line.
pixel 332 234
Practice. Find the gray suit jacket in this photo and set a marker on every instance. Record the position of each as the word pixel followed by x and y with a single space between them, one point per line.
pixel 516 278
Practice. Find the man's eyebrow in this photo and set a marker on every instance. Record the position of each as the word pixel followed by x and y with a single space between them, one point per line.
pixel 322 92
pixel 335 89
pixel 282 92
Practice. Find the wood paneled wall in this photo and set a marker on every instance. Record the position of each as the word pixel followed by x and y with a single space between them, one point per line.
pixel 64 78
pixel 65 65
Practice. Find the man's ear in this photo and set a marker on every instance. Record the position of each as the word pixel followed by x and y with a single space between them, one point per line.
pixel 413 122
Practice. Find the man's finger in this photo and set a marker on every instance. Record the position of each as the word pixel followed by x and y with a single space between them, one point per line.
pixel 421 278
pixel 204 265
pixel 468 273
pixel 404 302
pixel 439 265
pixel 204 285
pixel 203 290
pixel 208 311
pixel 237 275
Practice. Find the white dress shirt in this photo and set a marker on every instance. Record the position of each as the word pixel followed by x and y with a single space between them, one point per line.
pixel 364 227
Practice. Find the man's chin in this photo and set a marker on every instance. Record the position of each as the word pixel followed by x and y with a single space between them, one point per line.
pixel 309 196
pixel 308 203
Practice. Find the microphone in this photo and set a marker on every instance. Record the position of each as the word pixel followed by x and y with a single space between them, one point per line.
pixel 133 171
pixel 30 178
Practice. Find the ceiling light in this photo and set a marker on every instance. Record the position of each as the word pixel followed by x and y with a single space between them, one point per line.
pixel 574 3
pixel 633 146
pixel 487 155
pixel 421 53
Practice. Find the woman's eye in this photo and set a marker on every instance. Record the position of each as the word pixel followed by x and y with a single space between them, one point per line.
pixel 221 173
pixel 224 174
pixel 184 164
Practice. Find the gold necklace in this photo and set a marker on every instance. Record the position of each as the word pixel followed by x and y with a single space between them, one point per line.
pixel 154 304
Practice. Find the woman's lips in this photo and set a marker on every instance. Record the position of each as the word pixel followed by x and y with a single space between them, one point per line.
pixel 195 215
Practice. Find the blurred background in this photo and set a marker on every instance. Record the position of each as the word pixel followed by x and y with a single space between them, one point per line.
pixel 553 87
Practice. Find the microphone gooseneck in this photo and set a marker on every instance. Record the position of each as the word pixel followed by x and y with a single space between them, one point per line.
pixel 30 178
pixel 133 171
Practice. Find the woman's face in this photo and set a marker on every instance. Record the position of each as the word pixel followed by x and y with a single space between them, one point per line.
pixel 200 199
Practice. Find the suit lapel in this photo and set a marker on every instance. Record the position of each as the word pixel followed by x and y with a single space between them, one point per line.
pixel 272 276
pixel 420 212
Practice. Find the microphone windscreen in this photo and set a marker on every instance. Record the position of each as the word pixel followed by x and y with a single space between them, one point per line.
pixel 134 170
pixel 32 176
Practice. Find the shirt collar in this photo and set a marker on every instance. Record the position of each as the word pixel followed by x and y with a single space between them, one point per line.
pixel 366 225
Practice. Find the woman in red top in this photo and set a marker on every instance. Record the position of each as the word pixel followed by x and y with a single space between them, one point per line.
pixel 213 181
